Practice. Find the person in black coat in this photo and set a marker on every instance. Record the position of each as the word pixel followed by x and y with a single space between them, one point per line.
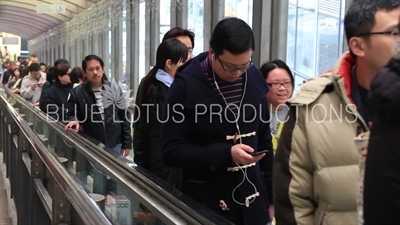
pixel 153 91
pixel 99 107
pixel 216 116
pixel 382 171
pixel 54 100
pixel 50 77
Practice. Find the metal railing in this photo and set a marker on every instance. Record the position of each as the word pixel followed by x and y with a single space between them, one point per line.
pixel 35 174
pixel 149 193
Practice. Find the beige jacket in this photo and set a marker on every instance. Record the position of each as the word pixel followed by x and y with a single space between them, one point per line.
pixel 316 169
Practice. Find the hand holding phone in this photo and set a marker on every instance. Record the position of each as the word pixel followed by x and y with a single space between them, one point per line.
pixel 258 153
pixel 241 154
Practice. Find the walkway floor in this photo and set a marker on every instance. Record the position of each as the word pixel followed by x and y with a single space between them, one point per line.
pixel 4 217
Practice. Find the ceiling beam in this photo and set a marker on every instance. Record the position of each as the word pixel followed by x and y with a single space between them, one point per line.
pixel 20 32
pixel 34 27
pixel 81 4
pixel 70 9
pixel 25 18
pixel 29 12
pixel 33 8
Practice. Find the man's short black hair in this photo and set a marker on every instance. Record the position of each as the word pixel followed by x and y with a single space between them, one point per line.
pixel 233 35
pixel 360 17
pixel 177 32
pixel 34 67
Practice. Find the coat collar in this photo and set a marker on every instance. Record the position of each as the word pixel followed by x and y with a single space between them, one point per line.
pixel 201 92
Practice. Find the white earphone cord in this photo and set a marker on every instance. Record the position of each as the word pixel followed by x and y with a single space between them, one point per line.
pixel 244 171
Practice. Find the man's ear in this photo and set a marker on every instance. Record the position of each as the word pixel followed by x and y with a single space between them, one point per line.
pixel 357 46
pixel 210 52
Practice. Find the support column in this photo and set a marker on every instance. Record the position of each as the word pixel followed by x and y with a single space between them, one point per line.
pixel 113 54
pixel 347 4
pixel 132 36
pixel 87 50
pixel 95 44
pixel 66 53
pixel 116 50
pixel 106 52
pixel 279 30
pixel 179 14
pixel 214 11
pixel 262 18
pixel 62 52
pixel 152 32
pixel 56 52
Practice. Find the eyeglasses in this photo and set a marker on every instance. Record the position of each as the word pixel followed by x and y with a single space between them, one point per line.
pixel 232 69
pixel 394 34
pixel 278 85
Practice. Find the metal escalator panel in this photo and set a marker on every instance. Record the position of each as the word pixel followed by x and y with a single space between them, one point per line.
pixel 125 193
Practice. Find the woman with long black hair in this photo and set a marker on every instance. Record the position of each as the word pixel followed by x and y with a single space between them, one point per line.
pixel 171 54
pixel 16 80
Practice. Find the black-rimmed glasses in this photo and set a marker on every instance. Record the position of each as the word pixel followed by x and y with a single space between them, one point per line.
pixel 232 69
pixel 394 34
pixel 279 84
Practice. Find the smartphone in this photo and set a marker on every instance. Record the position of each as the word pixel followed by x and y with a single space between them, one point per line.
pixel 258 153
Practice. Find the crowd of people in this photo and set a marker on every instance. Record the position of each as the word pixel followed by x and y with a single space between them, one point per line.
pixel 231 134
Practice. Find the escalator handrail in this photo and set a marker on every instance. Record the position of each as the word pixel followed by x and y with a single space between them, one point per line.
pixel 123 167
pixel 90 214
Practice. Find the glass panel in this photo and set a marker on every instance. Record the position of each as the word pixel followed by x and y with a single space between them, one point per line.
pixel 328 39
pixel 328 42
pixel 298 81
pixel 165 17
pixel 120 202
pixel 142 37
pixel 113 196
pixel 291 38
pixel 196 23
pixel 242 9
pixel 305 42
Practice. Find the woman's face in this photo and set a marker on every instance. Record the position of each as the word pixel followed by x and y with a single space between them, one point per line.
pixel 64 79
pixel 171 68
pixel 174 68
pixel 280 87
pixel 17 73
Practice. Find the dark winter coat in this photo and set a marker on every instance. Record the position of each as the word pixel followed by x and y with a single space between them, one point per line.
pixel 197 143
pixel 382 171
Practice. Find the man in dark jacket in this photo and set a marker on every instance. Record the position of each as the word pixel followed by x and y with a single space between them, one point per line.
pixel 382 171
pixel 216 116
pixel 99 107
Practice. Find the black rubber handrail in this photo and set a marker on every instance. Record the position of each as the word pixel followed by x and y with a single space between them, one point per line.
pixel 124 167
pixel 90 214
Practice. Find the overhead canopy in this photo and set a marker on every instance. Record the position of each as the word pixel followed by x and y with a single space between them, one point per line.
pixel 19 17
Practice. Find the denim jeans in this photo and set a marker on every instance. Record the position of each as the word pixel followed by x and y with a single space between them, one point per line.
pixel 117 148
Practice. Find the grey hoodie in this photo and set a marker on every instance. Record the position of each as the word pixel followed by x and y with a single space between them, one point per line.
pixel 27 92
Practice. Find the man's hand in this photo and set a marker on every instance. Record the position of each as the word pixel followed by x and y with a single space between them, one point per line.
pixel 125 152
pixel 34 86
pixel 73 125
pixel 240 154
